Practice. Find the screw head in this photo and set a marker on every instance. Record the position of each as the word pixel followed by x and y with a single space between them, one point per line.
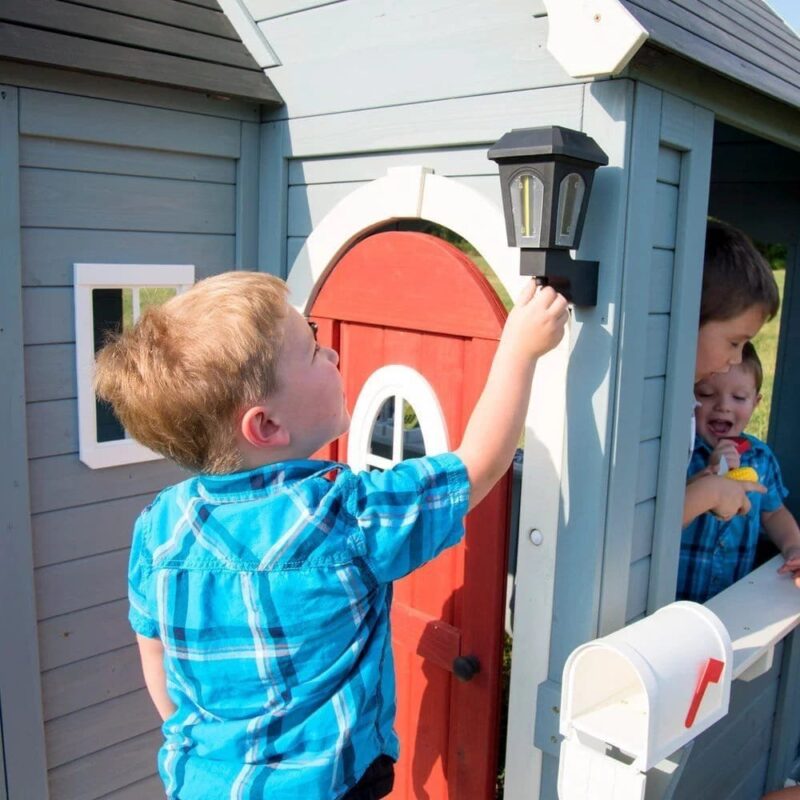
pixel 536 536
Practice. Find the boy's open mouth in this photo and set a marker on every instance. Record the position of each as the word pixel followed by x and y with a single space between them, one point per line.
pixel 720 427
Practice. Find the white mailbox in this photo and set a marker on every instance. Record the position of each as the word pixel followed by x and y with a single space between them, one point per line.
pixel 631 699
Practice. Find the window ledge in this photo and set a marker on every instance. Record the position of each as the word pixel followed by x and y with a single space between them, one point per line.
pixel 758 611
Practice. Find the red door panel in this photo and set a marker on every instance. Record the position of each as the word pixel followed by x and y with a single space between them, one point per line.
pixel 413 299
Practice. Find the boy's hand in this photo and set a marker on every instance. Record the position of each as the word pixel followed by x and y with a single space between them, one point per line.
pixel 536 323
pixel 791 564
pixel 725 447
pixel 731 497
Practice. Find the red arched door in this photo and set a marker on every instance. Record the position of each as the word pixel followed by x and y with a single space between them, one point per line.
pixel 415 300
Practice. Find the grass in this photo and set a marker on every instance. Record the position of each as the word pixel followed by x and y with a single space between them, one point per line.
pixel 766 344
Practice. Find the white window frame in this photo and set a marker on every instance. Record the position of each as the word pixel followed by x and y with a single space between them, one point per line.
pixel 403 384
pixel 87 277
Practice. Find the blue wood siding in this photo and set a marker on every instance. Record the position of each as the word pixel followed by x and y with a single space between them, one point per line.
pixel 106 181
pixel 661 263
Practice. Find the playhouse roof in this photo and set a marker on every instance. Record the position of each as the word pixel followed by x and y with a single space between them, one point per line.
pixel 168 42
pixel 742 39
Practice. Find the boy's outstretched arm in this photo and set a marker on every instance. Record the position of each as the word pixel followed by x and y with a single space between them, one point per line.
pixel 534 326
pixel 721 496
pixel 782 528
pixel 151 651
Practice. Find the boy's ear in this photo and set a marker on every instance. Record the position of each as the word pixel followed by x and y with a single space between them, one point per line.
pixel 259 429
pixel 758 399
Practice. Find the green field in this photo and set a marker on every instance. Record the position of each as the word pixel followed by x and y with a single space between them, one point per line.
pixel 766 344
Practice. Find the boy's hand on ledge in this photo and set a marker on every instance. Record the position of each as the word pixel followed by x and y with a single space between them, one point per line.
pixel 791 565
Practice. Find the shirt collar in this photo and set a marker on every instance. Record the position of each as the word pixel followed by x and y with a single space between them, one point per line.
pixel 259 482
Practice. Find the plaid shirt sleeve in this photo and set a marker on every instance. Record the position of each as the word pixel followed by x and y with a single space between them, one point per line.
pixel 408 514
pixel 770 475
pixel 139 577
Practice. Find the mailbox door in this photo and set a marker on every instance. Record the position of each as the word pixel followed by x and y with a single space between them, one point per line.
pixel 414 300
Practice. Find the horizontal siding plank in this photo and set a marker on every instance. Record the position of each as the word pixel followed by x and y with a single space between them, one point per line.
pixel 669 166
pixel 105 25
pixel 652 408
pixel 79 584
pixel 62 116
pixel 50 198
pixel 309 204
pixel 72 52
pixel 52 428
pixel 48 254
pixel 122 160
pixel 666 216
pixel 439 123
pixel 89 530
pixel 94 680
pixel 662 268
pixel 266 9
pixel 112 768
pixel 63 482
pixel 451 163
pixel 83 634
pixel 91 729
pixel 48 316
pixel 50 372
pixel 647 474
pixel 657 345
pixel 644 515
pixel 422 40
pixel 638 584
pixel 171 12
pixel 145 789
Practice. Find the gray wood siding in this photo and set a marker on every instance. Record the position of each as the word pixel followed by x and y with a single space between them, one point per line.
pixel 327 49
pixel 742 39
pixel 160 41
pixel 657 345
pixel 104 181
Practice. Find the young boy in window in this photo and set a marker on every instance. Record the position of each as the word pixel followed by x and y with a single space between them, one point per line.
pixel 260 588
pixel 715 552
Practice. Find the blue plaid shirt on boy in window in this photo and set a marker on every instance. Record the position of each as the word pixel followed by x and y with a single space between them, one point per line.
pixel 714 553
pixel 270 592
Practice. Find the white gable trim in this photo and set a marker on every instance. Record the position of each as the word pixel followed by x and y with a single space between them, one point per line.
pixel 415 192
pixel 251 35
pixel 592 40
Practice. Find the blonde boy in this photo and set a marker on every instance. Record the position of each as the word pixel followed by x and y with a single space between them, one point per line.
pixel 714 552
pixel 260 588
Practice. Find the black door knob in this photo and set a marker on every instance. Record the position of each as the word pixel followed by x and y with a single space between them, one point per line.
pixel 465 668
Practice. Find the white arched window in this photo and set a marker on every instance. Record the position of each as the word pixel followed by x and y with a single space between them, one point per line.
pixel 397 416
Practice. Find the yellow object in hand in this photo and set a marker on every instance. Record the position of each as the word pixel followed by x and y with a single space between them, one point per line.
pixel 742 474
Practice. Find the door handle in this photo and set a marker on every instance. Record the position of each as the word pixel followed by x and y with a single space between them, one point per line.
pixel 465 668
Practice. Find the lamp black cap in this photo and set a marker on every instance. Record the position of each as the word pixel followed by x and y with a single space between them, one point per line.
pixel 552 140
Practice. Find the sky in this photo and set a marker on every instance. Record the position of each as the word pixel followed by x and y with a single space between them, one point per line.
pixel 789 10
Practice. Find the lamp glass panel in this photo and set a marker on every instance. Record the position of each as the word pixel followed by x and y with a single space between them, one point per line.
pixel 570 199
pixel 527 197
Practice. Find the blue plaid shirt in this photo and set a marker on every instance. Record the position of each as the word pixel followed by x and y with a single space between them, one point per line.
pixel 270 592
pixel 714 553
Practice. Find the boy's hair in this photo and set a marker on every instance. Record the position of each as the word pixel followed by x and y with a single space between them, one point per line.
pixel 736 276
pixel 177 378
pixel 752 364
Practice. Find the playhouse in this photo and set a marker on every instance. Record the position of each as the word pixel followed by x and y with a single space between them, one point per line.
pixel 342 144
